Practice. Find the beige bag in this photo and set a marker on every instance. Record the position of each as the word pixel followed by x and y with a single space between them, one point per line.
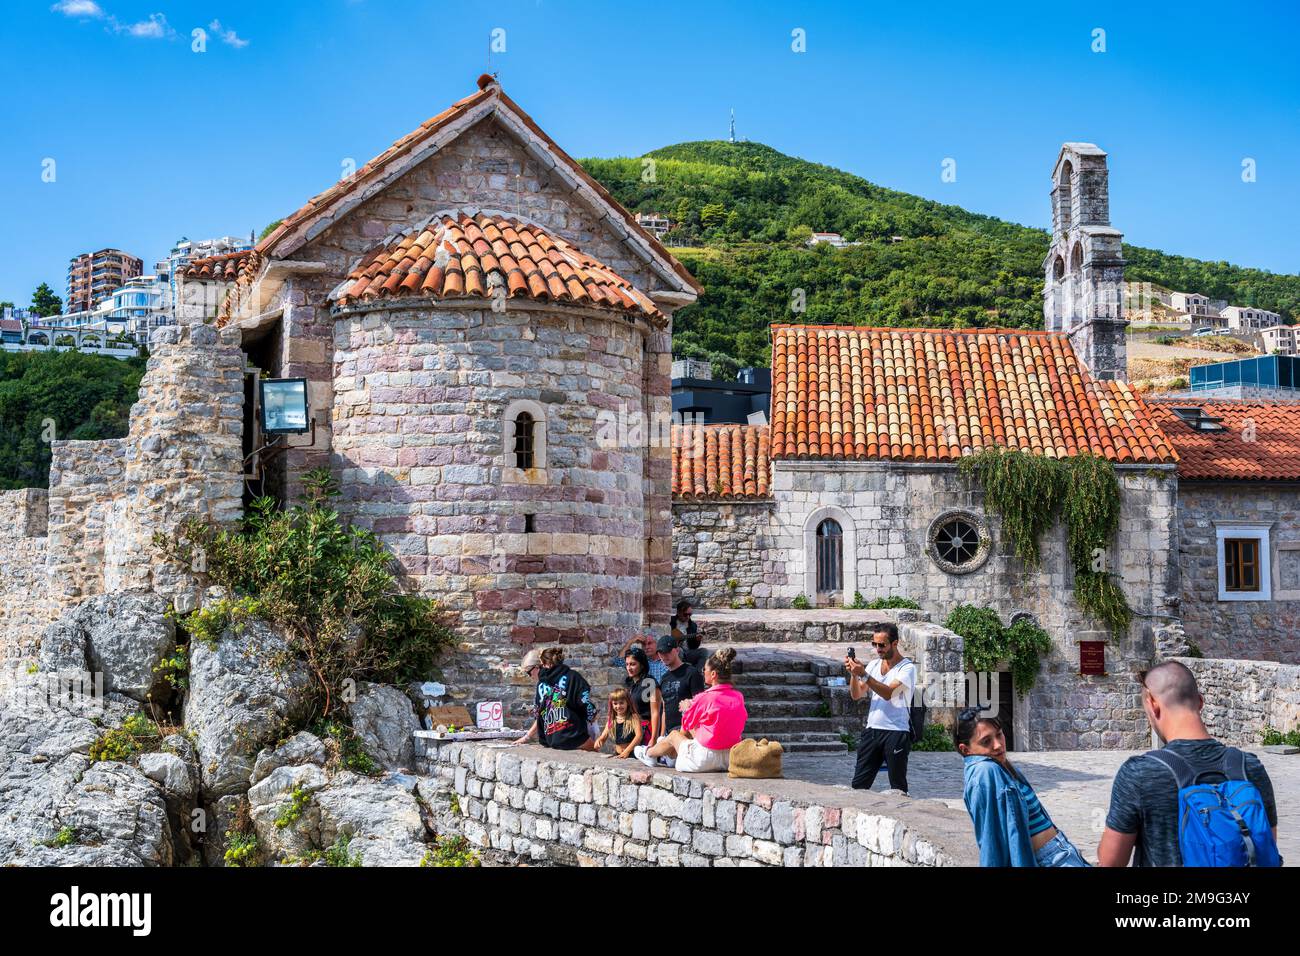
pixel 756 759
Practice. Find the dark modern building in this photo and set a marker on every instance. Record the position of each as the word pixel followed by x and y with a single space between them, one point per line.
pixel 711 402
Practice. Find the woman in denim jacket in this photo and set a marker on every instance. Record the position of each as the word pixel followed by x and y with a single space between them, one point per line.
pixel 1011 826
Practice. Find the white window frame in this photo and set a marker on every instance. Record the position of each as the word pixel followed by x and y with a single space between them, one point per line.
pixel 1260 531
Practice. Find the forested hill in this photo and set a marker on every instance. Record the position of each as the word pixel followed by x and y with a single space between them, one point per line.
pixel 744 211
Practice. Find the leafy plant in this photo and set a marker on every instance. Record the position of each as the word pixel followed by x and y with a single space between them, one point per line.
pixel 450 851
pixel 801 603
pixel 298 800
pixel 66 837
pixel 175 668
pixel 823 709
pixel 987 643
pixel 1027 491
pixel 331 587
pixel 339 853
pixel 934 739
pixel 849 741
pixel 346 749
pixel 241 848
pixel 138 734
pixel 858 601
pixel 1274 737
pixel 880 604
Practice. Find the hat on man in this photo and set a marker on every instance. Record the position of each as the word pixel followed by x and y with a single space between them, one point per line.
pixel 666 643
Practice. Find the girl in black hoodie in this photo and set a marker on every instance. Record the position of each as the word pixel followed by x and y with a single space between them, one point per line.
pixel 562 704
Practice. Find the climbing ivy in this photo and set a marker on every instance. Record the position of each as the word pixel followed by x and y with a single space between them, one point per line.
pixel 1028 492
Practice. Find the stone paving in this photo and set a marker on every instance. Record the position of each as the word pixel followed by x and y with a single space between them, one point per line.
pixel 1073 785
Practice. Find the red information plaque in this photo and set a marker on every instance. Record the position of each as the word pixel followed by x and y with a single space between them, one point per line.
pixel 1092 657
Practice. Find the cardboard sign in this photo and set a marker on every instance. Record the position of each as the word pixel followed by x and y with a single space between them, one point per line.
pixel 490 715
pixel 1092 658
pixel 449 717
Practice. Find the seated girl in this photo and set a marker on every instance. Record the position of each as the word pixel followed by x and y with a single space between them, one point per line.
pixel 623 725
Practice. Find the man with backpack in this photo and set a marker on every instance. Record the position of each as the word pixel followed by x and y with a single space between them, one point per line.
pixel 887 738
pixel 1222 796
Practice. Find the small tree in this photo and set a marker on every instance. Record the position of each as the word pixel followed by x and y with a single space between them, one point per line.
pixel 45 303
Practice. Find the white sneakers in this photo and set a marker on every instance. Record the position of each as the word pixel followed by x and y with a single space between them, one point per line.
pixel 640 752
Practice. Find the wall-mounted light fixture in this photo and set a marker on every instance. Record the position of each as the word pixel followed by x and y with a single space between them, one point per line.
pixel 284 406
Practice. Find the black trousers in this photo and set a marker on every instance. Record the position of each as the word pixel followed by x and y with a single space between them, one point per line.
pixel 888 747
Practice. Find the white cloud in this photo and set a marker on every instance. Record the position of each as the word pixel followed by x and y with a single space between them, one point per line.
pixel 155 28
pixel 229 37
pixel 85 9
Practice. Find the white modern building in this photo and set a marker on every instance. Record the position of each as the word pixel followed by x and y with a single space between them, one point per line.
pixel 1190 303
pixel 1279 340
pixel 1250 319
pixel 187 250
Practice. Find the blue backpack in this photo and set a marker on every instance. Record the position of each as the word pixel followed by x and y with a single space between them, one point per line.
pixel 1220 824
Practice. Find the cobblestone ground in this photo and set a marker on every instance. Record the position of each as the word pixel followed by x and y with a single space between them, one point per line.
pixel 1073 785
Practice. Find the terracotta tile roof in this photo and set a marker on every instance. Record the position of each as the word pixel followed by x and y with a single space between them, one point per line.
pixel 935 395
pixel 1272 455
pixel 375 169
pixel 472 254
pixel 11 325
pixel 222 268
pixel 721 461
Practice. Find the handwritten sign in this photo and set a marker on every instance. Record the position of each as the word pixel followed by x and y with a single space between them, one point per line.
pixel 490 715
pixel 1092 658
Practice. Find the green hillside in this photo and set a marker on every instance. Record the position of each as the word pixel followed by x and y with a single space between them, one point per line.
pixel 744 210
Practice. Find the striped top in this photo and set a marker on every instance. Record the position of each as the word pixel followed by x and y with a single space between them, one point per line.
pixel 1038 818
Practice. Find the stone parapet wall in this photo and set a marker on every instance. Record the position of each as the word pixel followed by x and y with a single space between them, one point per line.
pixel 1256 630
pixel 716 543
pixel 25 602
pixel 1245 698
pixel 527 803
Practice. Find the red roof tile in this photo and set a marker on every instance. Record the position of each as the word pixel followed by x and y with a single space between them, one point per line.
pixel 463 254
pixel 936 395
pixel 721 461
pixel 1259 441
pixel 222 268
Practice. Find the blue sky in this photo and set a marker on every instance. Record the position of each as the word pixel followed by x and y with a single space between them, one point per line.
pixel 152 140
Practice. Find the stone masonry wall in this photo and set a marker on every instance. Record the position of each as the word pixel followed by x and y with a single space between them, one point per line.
pixel 183 455
pixel 887 511
pixel 86 477
pixel 716 542
pixel 1245 698
pixel 1254 630
pixel 419 438
pixel 25 603
pixel 525 803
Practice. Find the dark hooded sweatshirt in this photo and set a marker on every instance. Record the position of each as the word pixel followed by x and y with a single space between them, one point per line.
pixel 563 707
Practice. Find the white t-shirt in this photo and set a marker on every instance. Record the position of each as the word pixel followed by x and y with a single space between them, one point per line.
pixel 892 714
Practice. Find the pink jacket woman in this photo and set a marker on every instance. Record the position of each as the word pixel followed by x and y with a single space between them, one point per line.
pixel 716 718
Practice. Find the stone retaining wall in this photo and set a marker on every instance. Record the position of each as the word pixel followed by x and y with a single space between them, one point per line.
pixel 529 804
pixel 1245 698
pixel 25 607
pixel 718 543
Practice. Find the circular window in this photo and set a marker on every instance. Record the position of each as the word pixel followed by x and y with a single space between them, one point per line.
pixel 958 542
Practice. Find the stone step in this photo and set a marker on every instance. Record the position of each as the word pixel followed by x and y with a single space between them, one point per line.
pixel 761 709
pixel 802 747
pixel 808 693
pixel 776 726
pixel 760 678
pixel 764 665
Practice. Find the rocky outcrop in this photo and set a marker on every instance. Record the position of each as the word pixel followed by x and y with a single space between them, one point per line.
pixel 244 693
pixel 384 719
pixel 301 748
pixel 121 636
pixel 57 808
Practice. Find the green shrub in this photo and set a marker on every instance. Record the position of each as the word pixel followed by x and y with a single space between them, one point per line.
pixel 987 643
pixel 175 668
pixel 298 801
pixel 1274 737
pixel 849 740
pixel 346 747
pixel 331 587
pixel 935 739
pixel 450 851
pixel 66 837
pixel 801 603
pixel 339 854
pixel 880 604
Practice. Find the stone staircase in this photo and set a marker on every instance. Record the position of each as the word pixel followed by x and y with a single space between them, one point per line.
pixel 785 703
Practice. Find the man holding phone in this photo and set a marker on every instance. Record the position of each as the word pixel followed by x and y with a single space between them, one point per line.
pixel 887 738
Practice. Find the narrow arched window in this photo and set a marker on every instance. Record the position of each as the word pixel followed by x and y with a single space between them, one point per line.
pixel 830 556
pixel 525 446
